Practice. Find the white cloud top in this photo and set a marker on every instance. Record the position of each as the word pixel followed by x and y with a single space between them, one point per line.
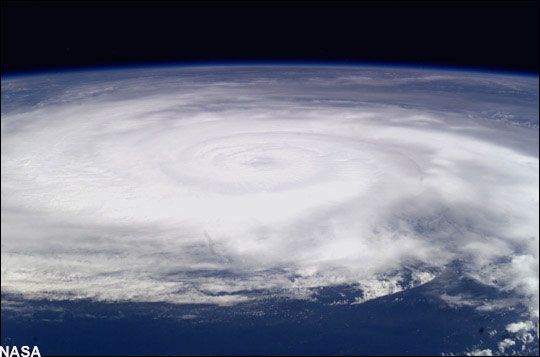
pixel 209 184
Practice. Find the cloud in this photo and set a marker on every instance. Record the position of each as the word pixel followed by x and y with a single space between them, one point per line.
pixel 485 352
pixel 505 344
pixel 220 186
pixel 521 326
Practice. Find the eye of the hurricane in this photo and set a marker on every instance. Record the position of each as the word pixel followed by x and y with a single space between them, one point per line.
pixel 268 162
pixel 261 162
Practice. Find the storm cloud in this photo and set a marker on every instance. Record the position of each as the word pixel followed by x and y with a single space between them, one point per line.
pixel 221 185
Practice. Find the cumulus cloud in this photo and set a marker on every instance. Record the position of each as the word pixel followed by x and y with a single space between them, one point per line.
pixel 485 352
pixel 505 344
pixel 223 185
pixel 521 326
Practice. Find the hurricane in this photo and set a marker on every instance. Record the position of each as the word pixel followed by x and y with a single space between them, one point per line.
pixel 221 185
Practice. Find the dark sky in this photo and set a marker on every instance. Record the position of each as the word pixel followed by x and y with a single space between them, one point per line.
pixel 52 35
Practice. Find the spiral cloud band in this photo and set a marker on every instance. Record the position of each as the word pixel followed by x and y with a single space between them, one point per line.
pixel 224 184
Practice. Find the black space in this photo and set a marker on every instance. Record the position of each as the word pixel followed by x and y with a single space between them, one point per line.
pixel 52 35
